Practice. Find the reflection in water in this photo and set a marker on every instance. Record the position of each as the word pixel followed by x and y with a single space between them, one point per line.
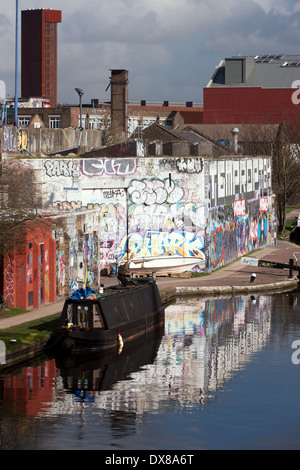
pixel 203 345
pixel 205 342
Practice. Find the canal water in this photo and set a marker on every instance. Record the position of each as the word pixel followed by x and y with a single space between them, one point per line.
pixel 223 374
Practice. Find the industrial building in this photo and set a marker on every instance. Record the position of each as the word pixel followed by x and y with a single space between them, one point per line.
pixel 253 89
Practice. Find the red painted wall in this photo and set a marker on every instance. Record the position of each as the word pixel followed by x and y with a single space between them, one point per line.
pixel 29 274
pixel 248 105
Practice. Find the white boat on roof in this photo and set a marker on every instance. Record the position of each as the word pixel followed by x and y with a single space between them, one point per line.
pixel 168 264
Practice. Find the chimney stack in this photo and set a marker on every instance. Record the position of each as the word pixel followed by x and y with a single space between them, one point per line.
pixel 119 101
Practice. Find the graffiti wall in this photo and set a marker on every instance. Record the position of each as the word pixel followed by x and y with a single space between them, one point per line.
pixel 115 209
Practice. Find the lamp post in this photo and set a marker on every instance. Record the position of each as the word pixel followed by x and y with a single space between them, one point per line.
pixel 16 64
pixel 80 93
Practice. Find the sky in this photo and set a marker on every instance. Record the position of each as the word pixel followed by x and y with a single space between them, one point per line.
pixel 169 47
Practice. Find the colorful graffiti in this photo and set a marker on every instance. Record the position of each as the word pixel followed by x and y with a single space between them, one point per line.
pixel 152 207
pixel 235 235
pixel 155 243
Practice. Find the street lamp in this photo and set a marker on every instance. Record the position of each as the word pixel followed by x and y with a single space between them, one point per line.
pixel 16 64
pixel 80 93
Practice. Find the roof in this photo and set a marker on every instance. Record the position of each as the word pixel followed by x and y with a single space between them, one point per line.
pixel 222 132
pixel 187 134
pixel 266 71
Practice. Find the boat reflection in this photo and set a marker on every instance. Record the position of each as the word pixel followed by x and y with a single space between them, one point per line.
pixel 97 373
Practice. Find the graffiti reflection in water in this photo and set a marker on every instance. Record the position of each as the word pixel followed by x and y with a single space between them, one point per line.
pixel 204 343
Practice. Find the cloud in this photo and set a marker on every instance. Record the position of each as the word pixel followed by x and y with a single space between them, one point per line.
pixel 169 47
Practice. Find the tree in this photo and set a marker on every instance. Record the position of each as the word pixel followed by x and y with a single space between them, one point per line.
pixel 20 202
pixel 285 171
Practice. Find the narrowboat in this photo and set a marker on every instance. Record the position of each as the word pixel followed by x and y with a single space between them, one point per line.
pixel 107 321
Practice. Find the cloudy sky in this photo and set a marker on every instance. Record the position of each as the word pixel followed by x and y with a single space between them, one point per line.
pixel 169 47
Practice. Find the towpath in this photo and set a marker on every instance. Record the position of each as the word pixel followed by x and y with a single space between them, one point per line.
pixel 234 278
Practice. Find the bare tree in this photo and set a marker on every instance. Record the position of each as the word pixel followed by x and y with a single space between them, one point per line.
pixel 285 171
pixel 20 202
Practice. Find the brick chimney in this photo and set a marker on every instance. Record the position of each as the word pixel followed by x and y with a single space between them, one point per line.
pixel 119 101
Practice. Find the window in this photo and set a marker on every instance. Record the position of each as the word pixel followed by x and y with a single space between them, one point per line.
pixel 55 122
pixel 83 315
pixel 23 121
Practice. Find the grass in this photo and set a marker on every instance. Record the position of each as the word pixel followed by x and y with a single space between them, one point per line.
pixel 11 312
pixel 28 334
pixel 291 208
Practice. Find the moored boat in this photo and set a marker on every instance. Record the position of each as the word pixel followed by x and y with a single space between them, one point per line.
pixel 107 321
pixel 170 264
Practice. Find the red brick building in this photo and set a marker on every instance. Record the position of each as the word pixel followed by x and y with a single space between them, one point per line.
pixel 39 54
pixel 29 271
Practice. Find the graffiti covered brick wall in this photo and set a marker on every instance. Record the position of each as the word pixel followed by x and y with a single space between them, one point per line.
pixel 117 209
pixel 29 269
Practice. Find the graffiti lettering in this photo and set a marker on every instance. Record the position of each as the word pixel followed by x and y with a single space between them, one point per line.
pixel 111 193
pixel 61 168
pixel 67 206
pixel 184 164
pixel 100 167
pixel 155 191
pixel 157 243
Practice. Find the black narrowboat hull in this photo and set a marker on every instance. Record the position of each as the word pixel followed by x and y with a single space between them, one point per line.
pixel 126 313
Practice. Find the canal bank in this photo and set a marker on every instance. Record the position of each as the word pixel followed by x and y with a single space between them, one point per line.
pixel 233 279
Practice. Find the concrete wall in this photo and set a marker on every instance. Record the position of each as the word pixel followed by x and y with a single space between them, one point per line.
pixel 213 209
pixel 43 141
